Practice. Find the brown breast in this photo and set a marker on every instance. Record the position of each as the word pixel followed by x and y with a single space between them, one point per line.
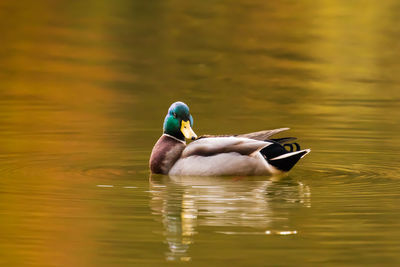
pixel 165 153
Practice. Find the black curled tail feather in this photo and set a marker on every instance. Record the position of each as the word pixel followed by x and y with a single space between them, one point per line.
pixel 283 159
pixel 290 147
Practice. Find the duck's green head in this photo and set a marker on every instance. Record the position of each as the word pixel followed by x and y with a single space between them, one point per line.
pixel 179 122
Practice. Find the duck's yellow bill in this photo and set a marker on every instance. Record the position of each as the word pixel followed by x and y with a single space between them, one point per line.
pixel 187 130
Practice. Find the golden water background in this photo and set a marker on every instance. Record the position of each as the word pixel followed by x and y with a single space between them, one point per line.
pixel 84 88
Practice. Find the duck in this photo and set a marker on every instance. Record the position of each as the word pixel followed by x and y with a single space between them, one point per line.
pixel 247 154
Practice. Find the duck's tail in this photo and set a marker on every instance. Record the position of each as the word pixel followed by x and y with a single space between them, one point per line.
pixel 280 158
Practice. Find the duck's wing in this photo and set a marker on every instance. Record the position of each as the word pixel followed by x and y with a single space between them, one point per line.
pixel 261 135
pixel 283 140
pixel 218 145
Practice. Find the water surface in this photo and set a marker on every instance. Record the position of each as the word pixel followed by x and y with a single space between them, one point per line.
pixel 84 88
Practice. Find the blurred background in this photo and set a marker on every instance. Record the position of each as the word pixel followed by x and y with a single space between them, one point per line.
pixel 85 86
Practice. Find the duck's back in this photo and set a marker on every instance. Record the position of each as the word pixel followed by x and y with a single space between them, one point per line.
pixel 225 155
pixel 165 153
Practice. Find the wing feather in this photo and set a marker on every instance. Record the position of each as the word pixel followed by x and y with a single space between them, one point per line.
pixel 261 135
pixel 217 145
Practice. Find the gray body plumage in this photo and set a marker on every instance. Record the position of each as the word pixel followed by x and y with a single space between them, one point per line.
pixel 246 154
pixel 223 156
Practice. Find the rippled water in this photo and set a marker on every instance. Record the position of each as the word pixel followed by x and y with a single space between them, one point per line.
pixel 84 88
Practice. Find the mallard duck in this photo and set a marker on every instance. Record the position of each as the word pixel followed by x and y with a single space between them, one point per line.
pixel 244 154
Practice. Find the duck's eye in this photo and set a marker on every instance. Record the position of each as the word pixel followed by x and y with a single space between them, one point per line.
pixel 174 115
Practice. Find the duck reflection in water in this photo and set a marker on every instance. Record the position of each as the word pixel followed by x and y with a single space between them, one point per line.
pixel 184 203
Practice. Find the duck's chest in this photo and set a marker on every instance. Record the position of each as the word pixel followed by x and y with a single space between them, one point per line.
pixel 165 153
